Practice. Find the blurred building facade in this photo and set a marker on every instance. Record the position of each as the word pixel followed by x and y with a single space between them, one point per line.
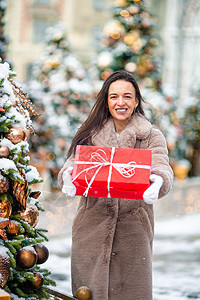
pixel 27 21
pixel 178 23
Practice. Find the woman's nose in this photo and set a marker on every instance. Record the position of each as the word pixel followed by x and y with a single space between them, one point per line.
pixel 121 101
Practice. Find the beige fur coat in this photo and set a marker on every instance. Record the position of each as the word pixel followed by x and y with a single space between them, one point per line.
pixel 112 238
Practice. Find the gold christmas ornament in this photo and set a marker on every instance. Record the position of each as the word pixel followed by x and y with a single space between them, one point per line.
pixel 26 257
pixel 30 214
pixel 4 186
pixel 39 280
pixel 5 209
pixel 83 293
pixel 4 151
pixel 4 266
pixel 16 135
pixel 12 228
pixel 42 252
pixel 20 190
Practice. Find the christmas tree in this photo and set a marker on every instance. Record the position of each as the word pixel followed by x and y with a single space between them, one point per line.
pixel 129 43
pixel 21 243
pixel 3 39
pixel 61 89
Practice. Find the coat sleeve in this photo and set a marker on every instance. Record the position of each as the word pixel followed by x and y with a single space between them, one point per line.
pixel 69 163
pixel 160 160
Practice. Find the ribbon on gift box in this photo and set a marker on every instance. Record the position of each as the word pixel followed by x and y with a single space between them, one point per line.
pixel 99 160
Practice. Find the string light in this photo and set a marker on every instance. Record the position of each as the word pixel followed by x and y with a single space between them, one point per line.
pixel 105 75
pixel 115 35
pixel 50 156
pixel 124 13
pixel 138 2
pixel 182 199
pixel 128 39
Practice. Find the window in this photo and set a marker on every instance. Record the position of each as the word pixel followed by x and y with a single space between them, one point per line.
pixel 41 2
pixel 39 30
pixel 98 4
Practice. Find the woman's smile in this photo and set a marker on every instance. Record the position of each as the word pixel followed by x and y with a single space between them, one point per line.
pixel 121 110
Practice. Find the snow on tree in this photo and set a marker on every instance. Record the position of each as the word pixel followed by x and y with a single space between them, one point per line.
pixel 129 42
pixel 61 89
pixel 21 248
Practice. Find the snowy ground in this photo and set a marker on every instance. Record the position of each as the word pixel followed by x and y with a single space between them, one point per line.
pixel 176 264
pixel 176 260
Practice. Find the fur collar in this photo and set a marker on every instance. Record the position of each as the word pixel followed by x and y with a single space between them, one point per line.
pixel 138 128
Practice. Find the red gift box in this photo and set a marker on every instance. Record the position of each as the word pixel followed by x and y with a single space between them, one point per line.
pixel 111 172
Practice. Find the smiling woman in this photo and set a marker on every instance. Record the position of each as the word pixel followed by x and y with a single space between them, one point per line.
pixel 112 237
pixel 121 103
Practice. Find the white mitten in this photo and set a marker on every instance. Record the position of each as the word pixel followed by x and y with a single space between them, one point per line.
pixel 68 188
pixel 151 194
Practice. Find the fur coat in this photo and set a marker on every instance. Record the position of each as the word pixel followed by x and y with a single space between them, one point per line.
pixel 112 238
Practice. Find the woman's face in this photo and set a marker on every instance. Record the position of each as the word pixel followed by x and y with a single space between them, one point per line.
pixel 121 101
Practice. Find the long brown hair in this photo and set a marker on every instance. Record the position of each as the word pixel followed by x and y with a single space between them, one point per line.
pixel 100 113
